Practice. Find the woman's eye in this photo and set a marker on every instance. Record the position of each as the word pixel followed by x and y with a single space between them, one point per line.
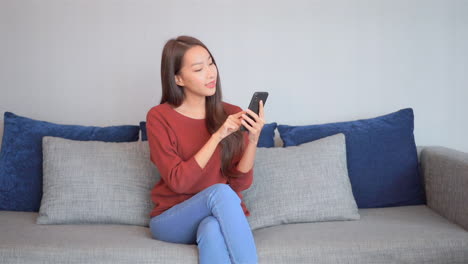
pixel 202 68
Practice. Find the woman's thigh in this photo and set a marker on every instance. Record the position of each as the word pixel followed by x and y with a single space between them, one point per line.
pixel 179 223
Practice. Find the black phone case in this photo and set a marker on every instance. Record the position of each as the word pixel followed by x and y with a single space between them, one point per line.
pixel 256 98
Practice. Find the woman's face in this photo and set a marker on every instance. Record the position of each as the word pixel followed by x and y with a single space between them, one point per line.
pixel 198 73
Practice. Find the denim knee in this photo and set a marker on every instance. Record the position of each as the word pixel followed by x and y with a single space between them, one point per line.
pixel 224 192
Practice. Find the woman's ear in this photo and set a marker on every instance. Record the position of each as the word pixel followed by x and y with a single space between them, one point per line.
pixel 178 80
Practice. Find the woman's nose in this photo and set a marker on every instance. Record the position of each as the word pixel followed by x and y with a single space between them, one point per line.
pixel 212 72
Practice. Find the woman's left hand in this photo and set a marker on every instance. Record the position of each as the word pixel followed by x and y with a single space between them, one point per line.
pixel 256 125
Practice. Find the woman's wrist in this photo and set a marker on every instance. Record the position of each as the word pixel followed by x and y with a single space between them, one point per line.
pixel 216 137
pixel 252 144
pixel 204 154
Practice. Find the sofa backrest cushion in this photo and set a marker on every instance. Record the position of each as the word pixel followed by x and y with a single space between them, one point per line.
pixel 305 183
pixel 381 156
pixel 92 182
pixel 21 155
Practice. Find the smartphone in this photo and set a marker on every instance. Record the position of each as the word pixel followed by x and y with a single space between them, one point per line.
pixel 254 102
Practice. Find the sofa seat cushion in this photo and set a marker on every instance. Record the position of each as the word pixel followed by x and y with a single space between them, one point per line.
pixel 408 234
pixel 24 241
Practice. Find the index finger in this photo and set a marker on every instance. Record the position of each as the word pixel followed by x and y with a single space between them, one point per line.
pixel 260 109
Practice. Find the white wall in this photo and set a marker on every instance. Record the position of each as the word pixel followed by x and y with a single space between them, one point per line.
pixel 97 62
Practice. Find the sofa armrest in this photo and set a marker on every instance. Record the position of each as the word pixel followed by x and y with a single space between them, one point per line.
pixel 445 173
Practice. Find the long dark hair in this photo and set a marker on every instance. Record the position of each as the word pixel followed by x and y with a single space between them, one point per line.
pixel 233 145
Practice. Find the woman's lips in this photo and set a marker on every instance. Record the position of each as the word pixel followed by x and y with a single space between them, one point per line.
pixel 211 84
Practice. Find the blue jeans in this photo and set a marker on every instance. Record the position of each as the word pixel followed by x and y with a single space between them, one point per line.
pixel 215 221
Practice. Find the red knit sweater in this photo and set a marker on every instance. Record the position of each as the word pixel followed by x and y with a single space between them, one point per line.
pixel 174 139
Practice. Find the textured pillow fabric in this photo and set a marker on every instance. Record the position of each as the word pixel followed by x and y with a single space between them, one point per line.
pixel 21 155
pixel 306 183
pixel 144 136
pixel 381 155
pixel 267 136
pixel 266 139
pixel 96 182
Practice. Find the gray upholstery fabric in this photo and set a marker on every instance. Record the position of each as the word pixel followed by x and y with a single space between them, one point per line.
pixel 446 182
pixel 418 150
pixel 22 241
pixel 411 234
pixel 408 234
pixel 96 182
pixel 305 183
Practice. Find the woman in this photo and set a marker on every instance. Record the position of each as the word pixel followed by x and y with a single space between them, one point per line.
pixel 205 161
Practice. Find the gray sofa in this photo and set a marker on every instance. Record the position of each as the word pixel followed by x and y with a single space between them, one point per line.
pixel 432 233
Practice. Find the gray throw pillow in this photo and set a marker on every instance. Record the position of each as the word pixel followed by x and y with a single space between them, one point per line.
pixel 305 183
pixel 94 182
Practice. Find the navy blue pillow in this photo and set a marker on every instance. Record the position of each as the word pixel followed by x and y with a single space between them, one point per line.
pixel 144 136
pixel 21 155
pixel 381 156
pixel 266 140
pixel 267 136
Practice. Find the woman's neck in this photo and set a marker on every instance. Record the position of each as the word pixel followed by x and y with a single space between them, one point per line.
pixel 193 107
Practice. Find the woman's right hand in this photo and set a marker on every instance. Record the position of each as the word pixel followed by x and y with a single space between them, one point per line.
pixel 231 125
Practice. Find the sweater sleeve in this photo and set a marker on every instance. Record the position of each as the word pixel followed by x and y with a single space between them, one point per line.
pixel 181 176
pixel 244 180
